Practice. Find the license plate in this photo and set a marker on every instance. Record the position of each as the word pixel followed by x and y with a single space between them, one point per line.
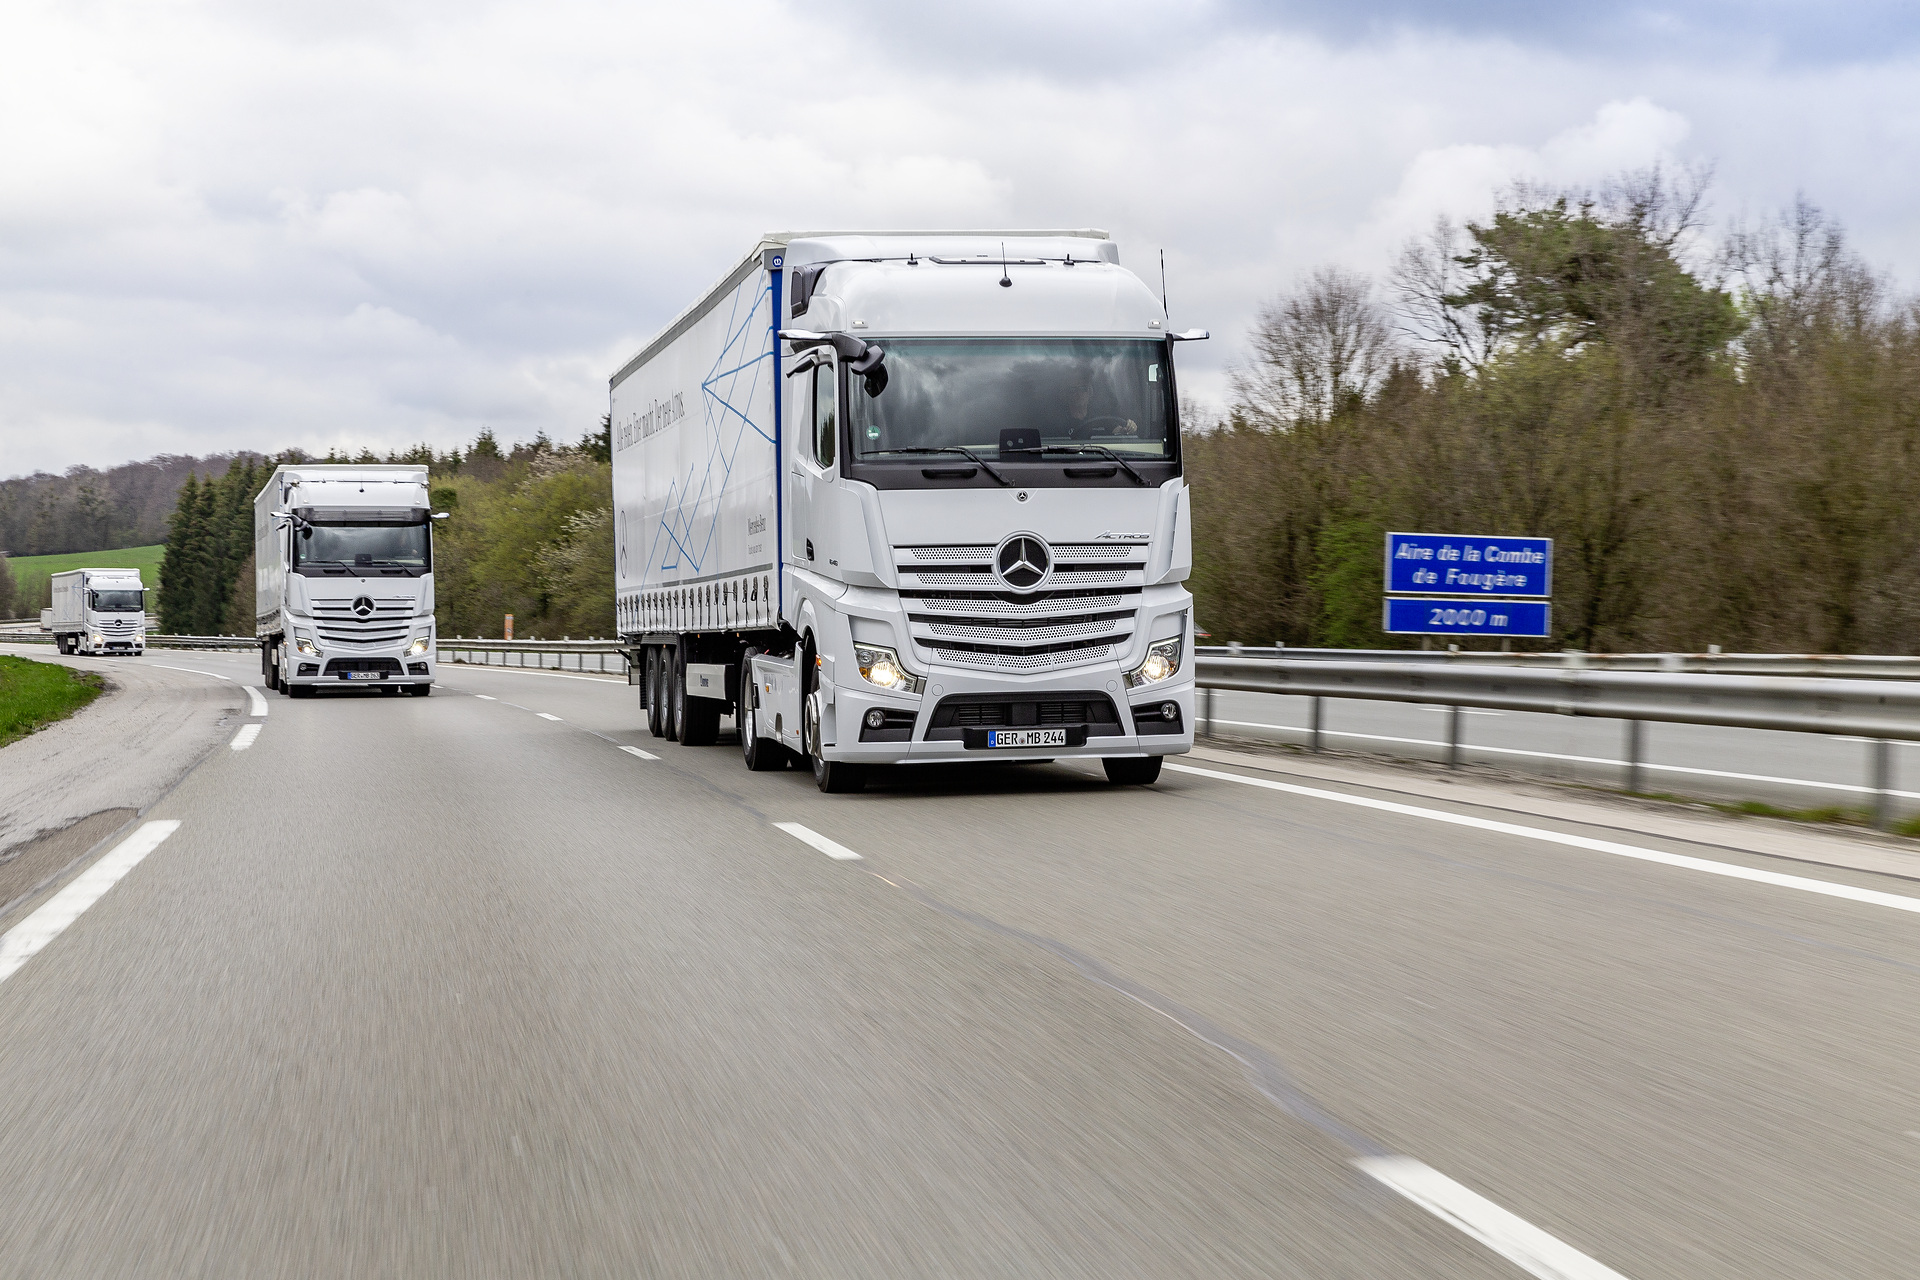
pixel 1005 738
pixel 361 675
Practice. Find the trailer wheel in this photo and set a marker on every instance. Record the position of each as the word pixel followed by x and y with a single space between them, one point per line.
pixel 1132 771
pixel 650 672
pixel 698 719
pixel 763 755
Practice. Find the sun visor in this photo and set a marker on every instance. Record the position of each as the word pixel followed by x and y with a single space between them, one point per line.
pixel 364 515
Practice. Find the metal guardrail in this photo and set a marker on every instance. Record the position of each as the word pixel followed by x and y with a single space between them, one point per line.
pixel 153 641
pixel 586 655
pixel 1848 666
pixel 1883 711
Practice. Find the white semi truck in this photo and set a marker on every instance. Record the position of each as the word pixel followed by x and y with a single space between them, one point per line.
pixel 343 560
pixel 98 611
pixel 899 497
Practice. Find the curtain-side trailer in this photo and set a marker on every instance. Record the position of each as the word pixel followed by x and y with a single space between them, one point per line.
pixel 901 497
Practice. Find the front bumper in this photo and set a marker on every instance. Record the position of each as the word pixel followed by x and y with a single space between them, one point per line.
pixel 848 707
pixel 336 667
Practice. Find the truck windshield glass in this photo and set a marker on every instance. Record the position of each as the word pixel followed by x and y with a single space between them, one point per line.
pixel 1017 398
pixel 377 545
pixel 118 601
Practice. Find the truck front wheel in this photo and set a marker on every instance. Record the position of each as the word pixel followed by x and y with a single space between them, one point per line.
pixel 832 776
pixel 761 754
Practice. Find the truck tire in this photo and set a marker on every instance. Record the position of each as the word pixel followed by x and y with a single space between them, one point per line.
pixel 836 777
pixel 300 691
pixel 656 710
pixel 763 755
pixel 698 719
pixel 420 690
pixel 1132 771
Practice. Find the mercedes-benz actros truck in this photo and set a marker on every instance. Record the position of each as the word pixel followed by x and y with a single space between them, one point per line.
pixel 98 611
pixel 901 497
pixel 343 559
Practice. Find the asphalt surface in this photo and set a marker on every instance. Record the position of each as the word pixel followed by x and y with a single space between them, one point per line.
pixel 446 987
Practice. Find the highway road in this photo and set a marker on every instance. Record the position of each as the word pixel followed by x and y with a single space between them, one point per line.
pixel 493 984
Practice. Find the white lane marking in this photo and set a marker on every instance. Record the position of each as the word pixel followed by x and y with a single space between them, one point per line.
pixel 644 755
pixel 486 697
pixel 1827 888
pixel 818 841
pixel 244 739
pixel 1602 760
pixel 195 670
pixel 24 940
pixel 1507 1234
pixel 544 716
pixel 259 702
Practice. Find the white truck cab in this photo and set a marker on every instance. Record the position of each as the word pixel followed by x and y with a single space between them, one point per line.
pixel 902 497
pixel 344 589
pixel 98 611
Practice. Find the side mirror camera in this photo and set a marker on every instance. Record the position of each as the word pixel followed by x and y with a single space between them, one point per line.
pixel 440 515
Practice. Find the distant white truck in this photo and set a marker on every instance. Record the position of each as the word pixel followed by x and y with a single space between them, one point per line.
pixel 343 589
pixel 98 611
pixel 908 497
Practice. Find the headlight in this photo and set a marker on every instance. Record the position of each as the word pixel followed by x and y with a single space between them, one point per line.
pixel 419 646
pixel 1163 660
pixel 99 639
pixel 304 645
pixel 882 667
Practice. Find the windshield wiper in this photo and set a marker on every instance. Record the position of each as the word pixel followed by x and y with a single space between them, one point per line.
pixel 968 454
pixel 1103 451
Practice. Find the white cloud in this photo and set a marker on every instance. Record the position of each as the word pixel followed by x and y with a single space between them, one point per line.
pixel 228 225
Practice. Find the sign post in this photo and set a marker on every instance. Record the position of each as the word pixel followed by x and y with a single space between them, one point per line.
pixel 509 629
pixel 1468 586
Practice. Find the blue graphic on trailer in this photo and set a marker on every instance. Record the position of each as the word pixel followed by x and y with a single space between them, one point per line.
pixel 1449 564
pixel 1467 617
pixel 683 540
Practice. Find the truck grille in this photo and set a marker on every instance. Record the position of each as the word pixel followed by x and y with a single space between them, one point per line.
pixel 340 624
pixel 954 715
pixel 960 612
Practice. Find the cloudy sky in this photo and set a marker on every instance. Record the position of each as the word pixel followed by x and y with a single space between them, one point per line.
pixel 254 225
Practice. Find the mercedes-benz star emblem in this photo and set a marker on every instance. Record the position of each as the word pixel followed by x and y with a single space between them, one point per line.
pixel 363 606
pixel 1023 561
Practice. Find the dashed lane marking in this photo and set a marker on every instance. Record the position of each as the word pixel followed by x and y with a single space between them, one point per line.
pixel 259 702
pixel 24 940
pixel 1734 871
pixel 544 716
pixel 1507 1234
pixel 644 755
pixel 486 697
pixel 818 841
pixel 244 739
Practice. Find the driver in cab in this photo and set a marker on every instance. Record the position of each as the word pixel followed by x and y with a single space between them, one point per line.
pixel 1081 423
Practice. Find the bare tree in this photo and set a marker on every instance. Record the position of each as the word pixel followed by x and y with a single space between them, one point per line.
pixel 1428 280
pixel 1316 352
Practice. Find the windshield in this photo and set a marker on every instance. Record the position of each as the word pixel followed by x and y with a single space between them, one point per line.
pixel 1017 398
pixel 377 546
pixel 118 601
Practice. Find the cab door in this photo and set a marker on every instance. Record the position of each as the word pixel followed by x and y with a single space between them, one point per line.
pixel 815 468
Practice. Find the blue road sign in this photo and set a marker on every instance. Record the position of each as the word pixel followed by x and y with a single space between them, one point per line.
pixel 1466 617
pixel 1452 564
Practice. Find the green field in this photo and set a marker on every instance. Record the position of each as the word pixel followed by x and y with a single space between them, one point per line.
pixel 33 694
pixel 32 572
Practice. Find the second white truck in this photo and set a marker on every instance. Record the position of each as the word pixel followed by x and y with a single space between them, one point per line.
pixel 98 611
pixel 903 497
pixel 344 578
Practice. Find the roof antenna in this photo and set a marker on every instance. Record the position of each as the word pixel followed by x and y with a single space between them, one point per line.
pixel 1006 281
pixel 1163 287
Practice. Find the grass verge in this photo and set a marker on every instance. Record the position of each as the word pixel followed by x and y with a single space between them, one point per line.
pixel 33 694
pixel 31 573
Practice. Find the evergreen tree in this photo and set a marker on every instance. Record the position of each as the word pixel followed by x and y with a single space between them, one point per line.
pixel 181 563
pixel 10 604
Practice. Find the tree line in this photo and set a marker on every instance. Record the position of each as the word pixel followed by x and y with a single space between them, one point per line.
pixel 1719 432
pixel 88 509
pixel 530 534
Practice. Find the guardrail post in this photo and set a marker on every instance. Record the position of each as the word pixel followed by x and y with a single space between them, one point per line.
pixel 1206 712
pixel 1882 756
pixel 1636 747
pixel 1453 736
pixel 1313 719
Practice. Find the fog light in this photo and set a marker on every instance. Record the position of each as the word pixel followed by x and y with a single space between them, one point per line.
pixel 876 718
pixel 1169 711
